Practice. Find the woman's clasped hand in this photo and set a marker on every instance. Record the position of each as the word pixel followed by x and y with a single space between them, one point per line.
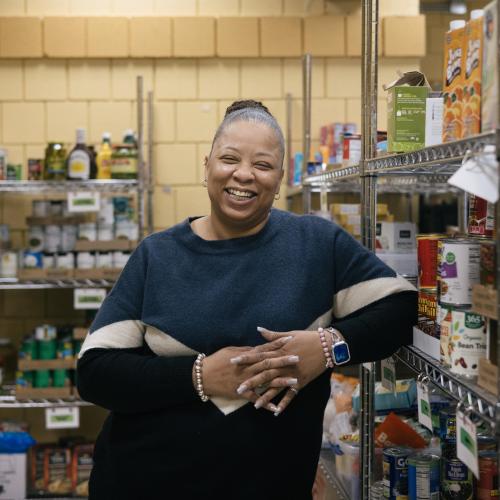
pixel 287 362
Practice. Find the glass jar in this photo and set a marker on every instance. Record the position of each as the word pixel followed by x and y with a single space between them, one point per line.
pixel 55 162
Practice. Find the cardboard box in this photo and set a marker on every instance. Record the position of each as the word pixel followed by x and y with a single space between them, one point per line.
pixel 396 236
pixel 484 301
pixel 344 208
pixel 12 476
pixel 434 108
pixel 349 219
pixel 489 107
pixel 488 376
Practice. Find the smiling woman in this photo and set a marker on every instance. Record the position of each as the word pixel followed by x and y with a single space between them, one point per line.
pixel 220 324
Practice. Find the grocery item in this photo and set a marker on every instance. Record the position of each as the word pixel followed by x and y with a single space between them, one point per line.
pixel 377 490
pixel 457 482
pixel 3 164
pixel 481 217
pixel 351 149
pixel 444 328
pixel 46 349
pixel 104 260
pixel 36 238
pixel 427 310
pixel 65 261
pixel 60 378
pixel 42 379
pixel 458 270
pixel 395 470
pixel 55 162
pixel 120 259
pixel 56 207
pixel 29 349
pixel 105 232
pixel 8 264
pixel 57 470
pixel 104 157
pixel 489 104
pixel 48 261
pixel 14 172
pixel 40 208
pixel 52 238
pixel 81 467
pixel 448 423
pixel 64 349
pixel 32 259
pixel 87 231
pixel 36 469
pixel 68 237
pixel 487 486
pixel 423 476
pixel 453 81
pixel 80 162
pixel 487 264
pixel 85 260
pixel 396 236
pixel 124 158
pixel 394 432
pixel 434 107
pixel 35 169
pixel 467 344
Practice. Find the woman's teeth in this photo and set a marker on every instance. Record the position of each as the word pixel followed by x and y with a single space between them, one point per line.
pixel 240 194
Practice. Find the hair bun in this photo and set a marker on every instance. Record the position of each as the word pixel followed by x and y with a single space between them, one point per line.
pixel 246 104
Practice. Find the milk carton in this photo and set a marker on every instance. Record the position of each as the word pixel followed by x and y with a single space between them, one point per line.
pixel 489 108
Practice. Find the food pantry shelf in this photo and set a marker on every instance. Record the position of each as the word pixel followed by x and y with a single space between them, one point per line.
pixel 327 466
pixel 16 284
pixel 113 185
pixel 13 402
pixel 483 402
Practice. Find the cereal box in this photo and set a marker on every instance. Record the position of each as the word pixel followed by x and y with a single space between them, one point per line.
pixel 489 108
pixel 453 81
pixel 473 69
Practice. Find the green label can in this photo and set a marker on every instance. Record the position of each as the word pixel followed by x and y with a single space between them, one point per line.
pixel 423 477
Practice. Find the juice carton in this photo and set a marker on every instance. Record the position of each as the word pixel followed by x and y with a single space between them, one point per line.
pixel 453 81
pixel 489 108
pixel 473 73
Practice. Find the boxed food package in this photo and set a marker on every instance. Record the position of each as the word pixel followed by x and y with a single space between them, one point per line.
pixel 406 103
pixel 81 468
pixel 434 119
pixel 453 81
pixel 404 397
pixel 37 454
pixel 396 236
pixel 12 476
pixel 489 105
pixel 344 208
pixel 57 470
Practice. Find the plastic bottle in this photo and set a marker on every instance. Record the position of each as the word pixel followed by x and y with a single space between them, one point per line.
pixel 104 157
pixel 80 163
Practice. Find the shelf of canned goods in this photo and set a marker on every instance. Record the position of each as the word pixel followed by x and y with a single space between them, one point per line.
pixel 113 185
pixel 39 284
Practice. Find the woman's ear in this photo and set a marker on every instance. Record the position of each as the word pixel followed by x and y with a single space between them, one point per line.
pixel 205 165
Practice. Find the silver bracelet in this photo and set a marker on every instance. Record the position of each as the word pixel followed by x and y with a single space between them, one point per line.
pixel 198 372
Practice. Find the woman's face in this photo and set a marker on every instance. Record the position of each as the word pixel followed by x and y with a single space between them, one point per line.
pixel 244 173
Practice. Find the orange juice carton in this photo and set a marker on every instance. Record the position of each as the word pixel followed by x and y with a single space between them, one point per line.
pixel 453 81
pixel 489 105
pixel 473 73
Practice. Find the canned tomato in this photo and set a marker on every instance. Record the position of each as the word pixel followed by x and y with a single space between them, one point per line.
pixel 427 304
pixel 481 217
pixel 458 270
pixel 467 344
pixel 427 249
pixel 395 470
pixel 423 476
pixel 488 263
pixel 487 486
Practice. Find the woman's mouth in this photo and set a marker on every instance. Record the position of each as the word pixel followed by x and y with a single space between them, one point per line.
pixel 240 194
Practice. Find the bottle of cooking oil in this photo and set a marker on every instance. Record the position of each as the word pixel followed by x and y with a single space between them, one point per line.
pixel 104 157
pixel 80 163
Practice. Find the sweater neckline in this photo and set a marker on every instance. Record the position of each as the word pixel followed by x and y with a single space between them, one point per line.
pixel 190 239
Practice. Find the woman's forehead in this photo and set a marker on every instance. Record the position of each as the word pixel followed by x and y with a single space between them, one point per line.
pixel 247 133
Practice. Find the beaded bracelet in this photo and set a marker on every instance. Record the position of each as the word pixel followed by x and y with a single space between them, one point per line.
pixel 198 372
pixel 326 349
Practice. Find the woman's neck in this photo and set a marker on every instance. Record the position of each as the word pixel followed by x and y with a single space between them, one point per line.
pixel 210 228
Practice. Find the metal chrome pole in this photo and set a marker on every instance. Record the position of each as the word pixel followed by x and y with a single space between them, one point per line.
pixel 150 164
pixel 368 221
pixel 497 222
pixel 289 150
pixel 306 96
pixel 140 158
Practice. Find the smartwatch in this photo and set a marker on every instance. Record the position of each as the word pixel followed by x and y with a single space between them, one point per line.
pixel 340 349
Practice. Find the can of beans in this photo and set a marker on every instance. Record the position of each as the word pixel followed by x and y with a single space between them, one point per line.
pixel 467 344
pixel 423 476
pixel 427 249
pixel 481 217
pixel 444 320
pixel 427 305
pixel 488 263
pixel 487 486
pixel 60 378
pixel 42 378
pixel 395 470
pixel 458 270
pixel 29 349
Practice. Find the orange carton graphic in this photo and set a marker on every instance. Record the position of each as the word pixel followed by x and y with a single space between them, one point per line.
pixel 453 85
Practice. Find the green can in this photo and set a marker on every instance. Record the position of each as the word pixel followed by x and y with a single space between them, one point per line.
pixel 46 349
pixel 77 345
pixel 29 349
pixel 24 379
pixel 64 349
pixel 42 378
pixel 60 378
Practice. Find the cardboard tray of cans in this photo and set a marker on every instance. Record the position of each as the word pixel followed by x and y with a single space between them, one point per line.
pixel 484 301
pixel 104 246
pixel 54 220
pixel 97 274
pixel 43 393
pixel 40 274
pixel 488 376
pixel 46 364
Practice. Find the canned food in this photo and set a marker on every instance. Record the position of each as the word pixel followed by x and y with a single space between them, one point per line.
pixel 457 482
pixel 444 336
pixel 427 305
pixel 56 207
pixel 458 269
pixel 55 162
pixel 24 379
pixel 68 237
pixel 45 332
pixel 40 208
pixel 87 231
pixel 423 476
pixel 42 378
pixel 105 232
pixel 351 148
pixel 395 470
pixel 64 349
pixel 60 378
pixel 65 261
pixel 48 261
pixel 120 259
pixel 32 260
pixel 35 169
pixel 447 423
pixel 377 491
pixel 52 243
pixel 47 349
pixel 85 260
pixel 467 344
pixel 126 229
pixel 14 171
pixel 36 238
pixel 8 264
pixel 486 442
pixel 104 260
pixel 29 349
pixel 427 250
pixel 488 264
pixel 106 213
pixel 481 217
pixel 487 486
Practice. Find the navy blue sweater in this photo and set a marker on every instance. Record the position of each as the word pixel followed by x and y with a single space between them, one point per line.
pixel 180 295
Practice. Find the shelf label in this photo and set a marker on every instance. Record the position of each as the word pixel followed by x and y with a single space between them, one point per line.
pixel 88 298
pixel 65 417
pixel 84 201
pixel 388 369
pixel 467 442
pixel 424 405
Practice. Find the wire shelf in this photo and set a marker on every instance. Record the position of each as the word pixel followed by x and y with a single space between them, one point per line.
pixel 13 402
pixel 41 284
pixel 112 185
pixel 327 466
pixel 338 174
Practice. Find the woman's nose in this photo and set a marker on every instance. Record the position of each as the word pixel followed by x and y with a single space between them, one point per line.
pixel 243 172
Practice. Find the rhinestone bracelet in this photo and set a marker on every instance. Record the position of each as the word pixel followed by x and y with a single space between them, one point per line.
pixel 326 349
pixel 198 372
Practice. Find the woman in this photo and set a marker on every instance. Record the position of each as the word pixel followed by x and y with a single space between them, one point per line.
pixel 252 289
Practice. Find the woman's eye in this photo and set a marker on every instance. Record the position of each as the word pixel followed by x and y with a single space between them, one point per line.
pixel 264 165
pixel 229 159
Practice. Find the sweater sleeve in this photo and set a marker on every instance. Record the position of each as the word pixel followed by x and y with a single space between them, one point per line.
pixel 116 370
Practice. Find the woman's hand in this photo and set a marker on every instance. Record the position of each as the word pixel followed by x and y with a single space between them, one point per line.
pixel 304 344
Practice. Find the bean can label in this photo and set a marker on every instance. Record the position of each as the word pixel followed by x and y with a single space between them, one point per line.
pixel 487 487
pixel 395 470
pixel 423 477
pixel 458 268
pixel 443 325
pixel 456 480
pixel 467 344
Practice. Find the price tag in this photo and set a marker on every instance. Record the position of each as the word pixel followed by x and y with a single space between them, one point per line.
pixel 67 417
pixel 88 298
pixel 424 405
pixel 84 201
pixel 467 442
pixel 388 369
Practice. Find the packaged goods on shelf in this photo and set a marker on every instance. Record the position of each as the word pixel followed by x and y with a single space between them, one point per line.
pixel 403 397
pixel 489 104
pixel 80 164
pixel 481 220
pixel 434 108
pixel 35 169
pixel 396 236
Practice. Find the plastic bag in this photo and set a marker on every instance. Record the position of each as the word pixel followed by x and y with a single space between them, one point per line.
pixel 15 442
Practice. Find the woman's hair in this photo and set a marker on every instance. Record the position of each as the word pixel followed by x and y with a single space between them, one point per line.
pixel 251 111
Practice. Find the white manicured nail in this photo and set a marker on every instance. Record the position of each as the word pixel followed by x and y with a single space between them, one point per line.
pixel 260 329
pixel 258 405
pixel 236 360
pixel 273 407
pixel 292 381
pixel 277 413
pixel 293 359
pixel 241 389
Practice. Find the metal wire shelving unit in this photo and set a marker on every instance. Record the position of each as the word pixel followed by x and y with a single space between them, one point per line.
pixel 41 187
pixel 46 284
pixel 327 466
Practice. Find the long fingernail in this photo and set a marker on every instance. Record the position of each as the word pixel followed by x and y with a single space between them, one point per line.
pixel 277 413
pixel 287 339
pixel 292 381
pixel 241 389
pixel 273 408
pixel 236 360
pixel 293 359
pixel 260 329
pixel 258 405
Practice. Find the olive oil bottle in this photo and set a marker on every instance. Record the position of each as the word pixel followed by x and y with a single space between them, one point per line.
pixel 81 164
pixel 104 157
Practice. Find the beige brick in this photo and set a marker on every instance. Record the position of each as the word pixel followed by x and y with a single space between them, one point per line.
pixel 63 118
pixel 324 36
pixel 12 8
pixel 114 117
pixel 382 114
pixel 194 37
pixel 124 74
pixel 163 207
pixel 90 7
pixel 164 121
pixel 150 37
pixel 432 67
pixel 15 153
pixel 107 37
pixel 404 36
pixel 218 7
pixel 301 8
pixel 389 69
pixel 20 37
pixel 218 79
pixel 297 119
pixel 261 78
pixel 343 77
pixel 261 7
pixel 47 7
pixel 175 8
pixel 176 164
pixel 133 7
pixel 353 111
pixel 34 151
pixel 399 8
pixel 23 122
pixel 324 111
pixel 16 209
pixel 64 36
pixel 280 37
pixel 238 37
pixel 221 109
pixel 292 77
pixel 342 7
pixel 11 82
pixel 89 79
pixel 353 35
pixel 196 121
pixel 202 151
pixel 45 80
pixel 191 202
pixel 175 79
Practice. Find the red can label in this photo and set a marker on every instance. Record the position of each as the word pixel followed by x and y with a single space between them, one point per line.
pixel 487 487
pixel 481 217
pixel 427 249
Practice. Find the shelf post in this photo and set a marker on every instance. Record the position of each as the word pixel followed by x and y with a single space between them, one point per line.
pixel 497 233
pixel 141 174
pixel 306 96
pixel 150 163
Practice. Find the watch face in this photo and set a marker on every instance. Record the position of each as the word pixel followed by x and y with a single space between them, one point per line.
pixel 341 353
